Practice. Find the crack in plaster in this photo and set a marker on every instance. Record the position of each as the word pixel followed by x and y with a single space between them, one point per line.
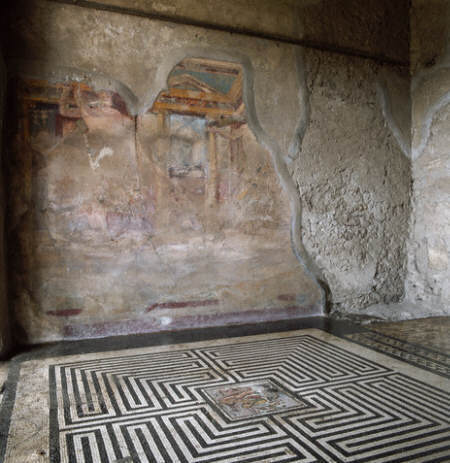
pixel 386 109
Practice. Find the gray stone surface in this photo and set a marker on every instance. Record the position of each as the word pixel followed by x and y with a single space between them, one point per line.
pixel 319 114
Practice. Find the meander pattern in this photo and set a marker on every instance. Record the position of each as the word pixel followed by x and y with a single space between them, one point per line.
pixel 294 399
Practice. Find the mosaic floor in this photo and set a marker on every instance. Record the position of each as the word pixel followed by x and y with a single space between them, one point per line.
pixel 295 396
pixel 432 333
pixel 423 342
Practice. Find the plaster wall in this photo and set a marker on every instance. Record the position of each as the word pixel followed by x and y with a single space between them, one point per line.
pixel 428 281
pixel 373 27
pixel 335 148
pixel 354 178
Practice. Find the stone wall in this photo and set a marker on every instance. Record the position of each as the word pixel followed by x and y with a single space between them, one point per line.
pixel 328 122
pixel 428 282
pixel 4 310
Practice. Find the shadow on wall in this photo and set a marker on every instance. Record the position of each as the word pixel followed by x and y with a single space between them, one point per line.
pixel 122 219
pixel 4 309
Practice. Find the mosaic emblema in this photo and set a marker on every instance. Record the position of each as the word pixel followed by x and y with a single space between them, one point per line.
pixel 303 396
pixel 248 400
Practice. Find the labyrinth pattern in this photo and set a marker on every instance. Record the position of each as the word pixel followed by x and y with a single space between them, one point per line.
pixel 158 407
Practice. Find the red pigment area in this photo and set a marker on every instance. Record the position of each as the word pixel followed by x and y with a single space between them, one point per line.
pixel 125 327
pixel 65 312
pixel 182 304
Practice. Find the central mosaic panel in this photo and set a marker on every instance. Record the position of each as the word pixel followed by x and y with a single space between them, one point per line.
pixel 248 400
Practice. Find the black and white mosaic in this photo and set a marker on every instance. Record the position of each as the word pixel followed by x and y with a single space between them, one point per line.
pixel 300 397
pixel 423 357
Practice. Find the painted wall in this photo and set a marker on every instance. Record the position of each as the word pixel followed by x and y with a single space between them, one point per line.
pixel 428 282
pixel 317 124
pixel 161 219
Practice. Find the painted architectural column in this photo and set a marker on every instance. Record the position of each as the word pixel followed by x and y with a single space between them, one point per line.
pixel 211 188
pixel 162 148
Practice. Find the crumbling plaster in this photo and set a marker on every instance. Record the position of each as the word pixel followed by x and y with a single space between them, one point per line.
pixel 428 279
pixel 319 114
pixel 427 282
pixel 429 257
pixel 354 182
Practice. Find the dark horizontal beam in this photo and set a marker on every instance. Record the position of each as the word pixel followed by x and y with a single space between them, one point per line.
pixel 379 58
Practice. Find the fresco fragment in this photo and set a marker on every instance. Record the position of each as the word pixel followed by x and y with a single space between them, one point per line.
pixel 178 208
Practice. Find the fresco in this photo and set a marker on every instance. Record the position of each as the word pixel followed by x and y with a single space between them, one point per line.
pixel 121 216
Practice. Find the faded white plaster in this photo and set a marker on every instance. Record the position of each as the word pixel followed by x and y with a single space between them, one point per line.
pixel 94 161
pixel 166 321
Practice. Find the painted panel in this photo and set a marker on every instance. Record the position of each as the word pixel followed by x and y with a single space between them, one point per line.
pixel 131 217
